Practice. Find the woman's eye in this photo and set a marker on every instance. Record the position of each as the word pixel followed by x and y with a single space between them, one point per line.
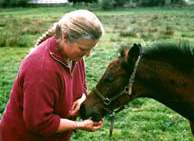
pixel 82 49
pixel 108 80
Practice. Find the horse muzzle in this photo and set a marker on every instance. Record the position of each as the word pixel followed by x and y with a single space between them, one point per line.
pixel 89 113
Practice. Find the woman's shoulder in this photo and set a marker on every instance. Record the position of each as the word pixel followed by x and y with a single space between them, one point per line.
pixel 38 62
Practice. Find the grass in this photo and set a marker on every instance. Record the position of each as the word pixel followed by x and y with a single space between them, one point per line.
pixel 143 119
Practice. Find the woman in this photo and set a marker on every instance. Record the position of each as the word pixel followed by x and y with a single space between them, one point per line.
pixel 50 85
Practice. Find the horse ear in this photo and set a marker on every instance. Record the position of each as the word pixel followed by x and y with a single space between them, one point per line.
pixel 133 53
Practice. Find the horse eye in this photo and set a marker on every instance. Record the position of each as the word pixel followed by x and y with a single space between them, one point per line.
pixel 109 79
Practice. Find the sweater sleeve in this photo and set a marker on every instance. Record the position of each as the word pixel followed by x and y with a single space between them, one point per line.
pixel 41 91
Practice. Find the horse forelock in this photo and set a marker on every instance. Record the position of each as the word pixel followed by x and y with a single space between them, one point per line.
pixel 124 49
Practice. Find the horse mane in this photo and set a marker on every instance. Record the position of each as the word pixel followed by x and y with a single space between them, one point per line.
pixel 180 55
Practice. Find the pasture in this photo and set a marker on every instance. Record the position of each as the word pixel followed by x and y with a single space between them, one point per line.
pixel 143 119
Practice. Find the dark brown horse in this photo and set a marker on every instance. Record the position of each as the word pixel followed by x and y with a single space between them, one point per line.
pixel 163 71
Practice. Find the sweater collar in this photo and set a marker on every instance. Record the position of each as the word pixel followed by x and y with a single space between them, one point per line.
pixel 56 53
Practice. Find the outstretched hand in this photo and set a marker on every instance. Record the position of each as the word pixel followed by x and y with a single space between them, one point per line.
pixel 90 125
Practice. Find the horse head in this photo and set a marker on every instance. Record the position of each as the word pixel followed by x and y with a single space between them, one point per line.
pixel 114 88
pixel 165 73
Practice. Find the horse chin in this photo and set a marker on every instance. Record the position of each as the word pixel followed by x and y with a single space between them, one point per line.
pixel 83 112
pixel 96 117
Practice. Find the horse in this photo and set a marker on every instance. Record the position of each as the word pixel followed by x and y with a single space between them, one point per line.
pixel 163 71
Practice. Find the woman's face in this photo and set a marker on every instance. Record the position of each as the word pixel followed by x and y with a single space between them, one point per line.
pixel 76 51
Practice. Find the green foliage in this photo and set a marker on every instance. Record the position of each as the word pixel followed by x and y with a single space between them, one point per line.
pixel 14 3
pixel 78 1
pixel 110 4
pixel 152 2
pixel 160 2
pixel 120 2
pixel 21 32
pixel 177 1
pixel 142 119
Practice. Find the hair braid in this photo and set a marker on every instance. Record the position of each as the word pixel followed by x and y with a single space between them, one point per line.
pixel 46 35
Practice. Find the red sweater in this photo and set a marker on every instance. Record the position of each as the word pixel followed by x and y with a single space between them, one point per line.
pixel 43 92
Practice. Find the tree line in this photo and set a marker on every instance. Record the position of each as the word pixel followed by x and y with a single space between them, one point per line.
pixel 105 4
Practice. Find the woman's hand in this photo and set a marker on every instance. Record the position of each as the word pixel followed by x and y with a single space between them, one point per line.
pixel 76 105
pixel 89 125
pixel 75 108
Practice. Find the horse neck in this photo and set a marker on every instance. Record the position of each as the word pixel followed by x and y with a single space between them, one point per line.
pixel 162 82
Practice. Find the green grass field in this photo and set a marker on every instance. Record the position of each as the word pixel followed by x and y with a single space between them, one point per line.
pixel 143 119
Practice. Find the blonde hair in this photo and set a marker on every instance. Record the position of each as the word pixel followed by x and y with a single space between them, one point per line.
pixel 75 25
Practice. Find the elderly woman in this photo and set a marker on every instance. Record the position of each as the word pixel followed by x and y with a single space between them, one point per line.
pixel 50 85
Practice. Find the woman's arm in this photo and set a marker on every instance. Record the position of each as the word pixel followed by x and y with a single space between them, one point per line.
pixel 89 125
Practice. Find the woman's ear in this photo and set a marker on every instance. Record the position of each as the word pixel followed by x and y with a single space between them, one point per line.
pixel 64 37
pixel 58 31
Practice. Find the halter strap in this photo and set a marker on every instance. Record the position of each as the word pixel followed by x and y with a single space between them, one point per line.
pixel 127 90
pixel 107 101
pixel 131 80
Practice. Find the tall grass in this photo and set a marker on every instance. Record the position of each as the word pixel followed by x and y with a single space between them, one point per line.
pixel 143 119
